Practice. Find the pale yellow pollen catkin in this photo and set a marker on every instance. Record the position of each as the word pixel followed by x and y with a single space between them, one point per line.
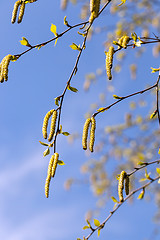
pixel 47 183
pixel 21 12
pixel 15 10
pixel 45 123
pixel 4 68
pixel 92 134
pixel 121 185
pixel 64 4
pixel 54 167
pixel 126 40
pixel 48 179
pixel 120 41
pixel 85 133
pixel 127 184
pixel 53 125
pixel 109 62
pixel 94 9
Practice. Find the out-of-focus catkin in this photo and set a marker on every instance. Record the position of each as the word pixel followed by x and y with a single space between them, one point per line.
pixel 92 134
pixel 127 184
pixel 94 9
pixel 45 123
pixel 126 40
pixel 121 185
pixel 109 62
pixel 4 67
pixel 85 133
pixel 15 10
pixel 56 156
pixel 21 12
pixel 64 4
pixel 53 125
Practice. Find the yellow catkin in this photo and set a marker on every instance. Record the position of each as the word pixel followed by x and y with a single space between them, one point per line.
pixel 85 133
pixel 53 125
pixel 126 40
pixel 120 41
pixel 47 183
pixel 92 134
pixel 94 9
pixel 121 185
pixel 127 184
pixel 21 12
pixel 56 156
pixel 15 10
pixel 109 62
pixel 45 123
pixel 48 179
pixel 4 67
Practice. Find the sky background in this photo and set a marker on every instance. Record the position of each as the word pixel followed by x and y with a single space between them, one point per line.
pixel 34 81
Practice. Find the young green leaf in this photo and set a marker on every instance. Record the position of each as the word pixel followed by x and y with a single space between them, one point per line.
pixel 72 89
pixel 75 47
pixel 46 152
pixel 101 109
pixel 65 133
pixel 141 195
pixel 122 2
pixel 96 223
pixel 53 29
pixel 44 144
pixel 155 70
pixel 117 97
pixel 88 223
pixel 114 199
pixel 57 100
pixel 158 170
pixel 25 42
pixel 85 227
pixel 60 162
pixel 98 232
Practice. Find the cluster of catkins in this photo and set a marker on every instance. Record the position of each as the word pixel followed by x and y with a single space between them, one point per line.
pixel 52 113
pixel 4 67
pixel 109 62
pixel 51 172
pixel 94 9
pixel 54 158
pixel 123 41
pixel 21 5
pixel 123 177
pixel 89 121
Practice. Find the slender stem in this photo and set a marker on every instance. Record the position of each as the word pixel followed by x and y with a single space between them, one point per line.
pixel 120 204
pixel 122 98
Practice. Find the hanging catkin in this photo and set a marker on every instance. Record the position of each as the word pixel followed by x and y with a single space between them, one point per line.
pixel 85 133
pixel 92 134
pixel 126 40
pixel 45 123
pixel 48 179
pixel 94 9
pixel 54 167
pixel 53 125
pixel 127 184
pixel 121 185
pixel 109 62
pixel 21 12
pixel 4 67
pixel 15 10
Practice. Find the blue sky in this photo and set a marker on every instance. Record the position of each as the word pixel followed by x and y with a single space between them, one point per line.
pixel 34 81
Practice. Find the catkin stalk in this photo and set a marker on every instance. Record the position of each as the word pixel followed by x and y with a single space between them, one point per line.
pixel 53 125
pixel 92 134
pixel 85 133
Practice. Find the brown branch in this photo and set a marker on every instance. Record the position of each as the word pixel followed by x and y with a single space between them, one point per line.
pixel 122 98
pixel 119 205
